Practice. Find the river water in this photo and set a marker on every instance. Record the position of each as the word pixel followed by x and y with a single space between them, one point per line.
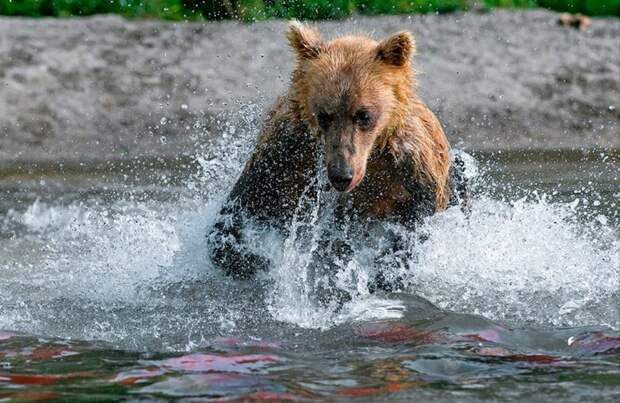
pixel 107 292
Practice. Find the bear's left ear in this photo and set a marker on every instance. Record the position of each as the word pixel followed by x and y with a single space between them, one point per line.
pixel 397 49
pixel 305 41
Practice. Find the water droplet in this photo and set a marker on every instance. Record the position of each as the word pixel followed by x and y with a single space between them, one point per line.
pixel 602 219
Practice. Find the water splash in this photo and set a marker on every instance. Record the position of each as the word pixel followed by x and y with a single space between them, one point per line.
pixel 125 269
pixel 526 262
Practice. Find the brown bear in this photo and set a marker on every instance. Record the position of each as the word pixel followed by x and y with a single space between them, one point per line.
pixel 352 103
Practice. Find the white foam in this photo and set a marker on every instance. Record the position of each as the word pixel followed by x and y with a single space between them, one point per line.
pixel 528 261
pixel 99 253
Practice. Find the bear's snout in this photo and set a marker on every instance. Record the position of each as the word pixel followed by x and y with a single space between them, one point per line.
pixel 340 175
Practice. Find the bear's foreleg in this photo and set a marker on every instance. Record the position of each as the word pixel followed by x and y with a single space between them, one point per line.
pixel 332 254
pixel 459 184
pixel 228 249
pixel 266 195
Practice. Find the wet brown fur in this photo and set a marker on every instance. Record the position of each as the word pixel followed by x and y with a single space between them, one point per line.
pixel 403 156
pixel 407 133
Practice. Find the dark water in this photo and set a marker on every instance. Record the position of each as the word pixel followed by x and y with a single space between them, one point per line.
pixel 106 292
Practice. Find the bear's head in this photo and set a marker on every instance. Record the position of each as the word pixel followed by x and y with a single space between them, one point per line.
pixel 353 91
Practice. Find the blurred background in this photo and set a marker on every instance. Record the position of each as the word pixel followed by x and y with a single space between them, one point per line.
pixel 124 79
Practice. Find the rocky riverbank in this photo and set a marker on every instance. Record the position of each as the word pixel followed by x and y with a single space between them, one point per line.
pixel 92 89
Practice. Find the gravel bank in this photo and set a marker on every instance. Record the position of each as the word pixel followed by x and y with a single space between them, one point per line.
pixel 91 89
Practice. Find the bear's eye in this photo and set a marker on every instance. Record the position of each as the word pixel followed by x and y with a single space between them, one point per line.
pixel 363 119
pixel 324 119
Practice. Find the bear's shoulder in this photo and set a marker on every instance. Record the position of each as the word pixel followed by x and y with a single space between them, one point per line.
pixel 419 143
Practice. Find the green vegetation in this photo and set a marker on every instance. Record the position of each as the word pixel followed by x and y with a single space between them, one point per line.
pixel 251 10
pixel 166 9
pixel 588 7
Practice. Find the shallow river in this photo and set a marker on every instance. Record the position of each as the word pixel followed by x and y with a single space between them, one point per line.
pixel 107 292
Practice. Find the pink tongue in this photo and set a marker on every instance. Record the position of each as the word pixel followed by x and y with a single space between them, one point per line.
pixel 356 180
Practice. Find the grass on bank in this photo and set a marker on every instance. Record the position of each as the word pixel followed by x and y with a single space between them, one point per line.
pixel 252 10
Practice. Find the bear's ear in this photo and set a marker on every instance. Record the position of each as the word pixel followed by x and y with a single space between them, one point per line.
pixel 397 49
pixel 305 41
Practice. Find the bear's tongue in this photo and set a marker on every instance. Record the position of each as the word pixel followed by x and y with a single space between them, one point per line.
pixel 356 180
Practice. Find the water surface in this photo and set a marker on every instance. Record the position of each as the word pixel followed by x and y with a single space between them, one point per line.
pixel 107 292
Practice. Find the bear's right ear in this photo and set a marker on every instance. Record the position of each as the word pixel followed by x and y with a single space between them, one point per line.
pixel 305 41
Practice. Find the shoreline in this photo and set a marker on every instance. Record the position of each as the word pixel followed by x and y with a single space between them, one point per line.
pixel 105 89
pixel 35 169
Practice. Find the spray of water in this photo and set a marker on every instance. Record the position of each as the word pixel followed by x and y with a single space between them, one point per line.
pixel 113 269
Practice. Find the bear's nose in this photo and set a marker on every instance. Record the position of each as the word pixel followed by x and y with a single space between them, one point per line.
pixel 340 177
